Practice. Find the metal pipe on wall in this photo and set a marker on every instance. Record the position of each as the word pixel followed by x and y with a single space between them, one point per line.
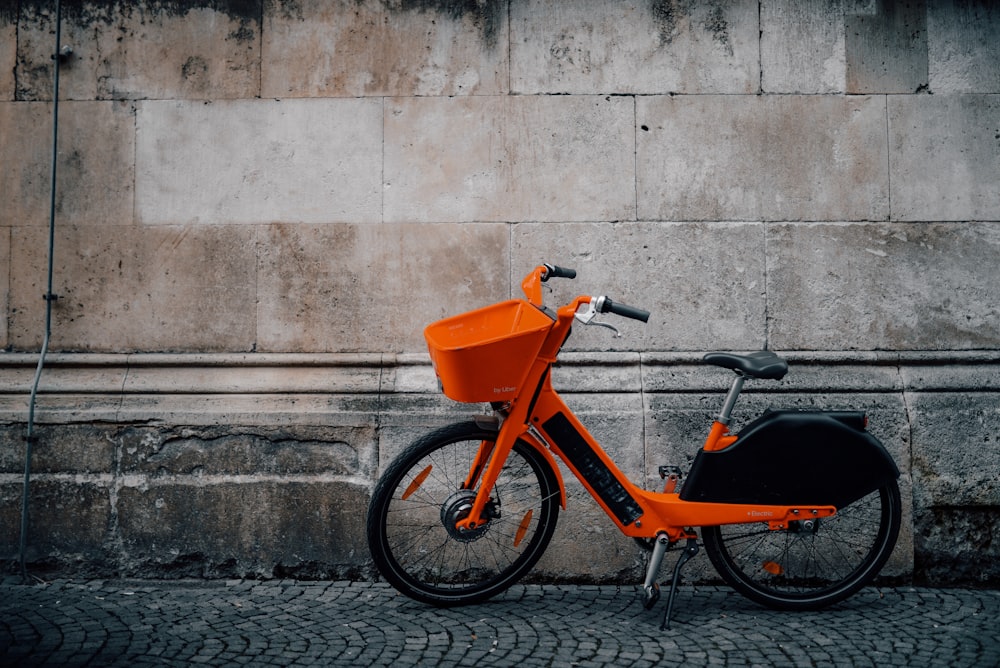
pixel 58 56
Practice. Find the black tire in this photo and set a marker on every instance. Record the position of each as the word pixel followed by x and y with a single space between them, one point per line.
pixel 808 567
pixel 410 539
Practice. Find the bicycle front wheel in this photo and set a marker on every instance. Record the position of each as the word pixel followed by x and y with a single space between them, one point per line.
pixel 811 564
pixel 416 503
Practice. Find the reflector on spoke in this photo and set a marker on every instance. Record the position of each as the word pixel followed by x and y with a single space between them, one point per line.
pixel 417 482
pixel 522 529
pixel 773 568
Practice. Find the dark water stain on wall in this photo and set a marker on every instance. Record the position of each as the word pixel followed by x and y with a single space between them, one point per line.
pixel 665 15
pixel 8 11
pixel 671 17
pixel 487 15
pixel 106 9
pixel 717 26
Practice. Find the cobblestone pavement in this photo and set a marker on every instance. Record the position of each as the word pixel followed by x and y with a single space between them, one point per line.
pixel 286 623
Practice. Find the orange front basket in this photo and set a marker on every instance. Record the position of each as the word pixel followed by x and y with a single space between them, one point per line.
pixel 484 355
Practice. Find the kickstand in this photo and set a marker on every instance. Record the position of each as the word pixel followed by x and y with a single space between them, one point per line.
pixel 689 551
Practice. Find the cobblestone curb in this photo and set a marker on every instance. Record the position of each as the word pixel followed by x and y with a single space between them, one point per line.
pixel 288 623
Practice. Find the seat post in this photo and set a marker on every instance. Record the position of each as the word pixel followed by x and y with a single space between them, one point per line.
pixel 734 392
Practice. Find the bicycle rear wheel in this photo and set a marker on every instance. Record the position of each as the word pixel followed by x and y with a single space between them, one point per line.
pixel 412 514
pixel 813 564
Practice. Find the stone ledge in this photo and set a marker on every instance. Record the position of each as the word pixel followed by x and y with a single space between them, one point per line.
pixel 369 389
pixel 411 373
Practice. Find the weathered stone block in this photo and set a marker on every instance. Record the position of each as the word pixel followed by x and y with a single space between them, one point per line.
pixel 248 451
pixel 957 545
pixel 633 47
pixel 259 161
pixel 520 158
pixel 379 48
pixel 94 171
pixel 69 448
pixel 351 288
pixel 945 157
pixel 956 460
pixel 142 50
pixel 885 286
pixel 68 523
pixel 761 158
pixel 136 288
pixel 802 47
pixel 650 266
pixel 887 48
pixel 258 527
pixel 964 53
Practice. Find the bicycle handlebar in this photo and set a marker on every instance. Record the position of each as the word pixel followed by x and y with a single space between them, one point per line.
pixel 533 291
pixel 608 306
pixel 552 271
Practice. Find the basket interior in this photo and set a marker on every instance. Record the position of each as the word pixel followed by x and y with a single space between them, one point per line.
pixel 486 325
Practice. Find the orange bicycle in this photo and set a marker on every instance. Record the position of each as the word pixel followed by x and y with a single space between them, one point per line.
pixel 797 511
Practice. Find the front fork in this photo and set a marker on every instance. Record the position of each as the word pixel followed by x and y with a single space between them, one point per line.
pixel 479 463
pixel 484 472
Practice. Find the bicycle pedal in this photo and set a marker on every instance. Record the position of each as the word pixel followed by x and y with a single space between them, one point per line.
pixel 650 596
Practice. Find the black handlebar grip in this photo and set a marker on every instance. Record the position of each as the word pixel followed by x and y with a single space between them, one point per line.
pixel 553 271
pixel 625 311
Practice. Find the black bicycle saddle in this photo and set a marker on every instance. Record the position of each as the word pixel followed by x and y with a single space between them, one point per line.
pixel 762 364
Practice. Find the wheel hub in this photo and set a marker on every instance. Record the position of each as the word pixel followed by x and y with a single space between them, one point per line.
pixel 810 526
pixel 456 508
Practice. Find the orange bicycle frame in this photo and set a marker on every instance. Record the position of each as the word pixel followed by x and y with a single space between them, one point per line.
pixel 538 416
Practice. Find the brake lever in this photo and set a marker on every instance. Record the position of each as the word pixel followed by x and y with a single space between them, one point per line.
pixel 614 329
pixel 587 317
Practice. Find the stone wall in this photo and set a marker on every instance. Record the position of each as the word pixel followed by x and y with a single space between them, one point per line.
pixel 261 203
